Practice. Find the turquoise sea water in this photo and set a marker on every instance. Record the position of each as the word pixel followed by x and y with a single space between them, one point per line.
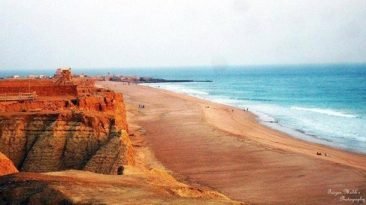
pixel 325 104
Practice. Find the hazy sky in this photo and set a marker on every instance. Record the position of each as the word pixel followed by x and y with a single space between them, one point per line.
pixel 150 33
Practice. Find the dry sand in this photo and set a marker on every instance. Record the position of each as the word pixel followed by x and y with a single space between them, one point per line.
pixel 218 146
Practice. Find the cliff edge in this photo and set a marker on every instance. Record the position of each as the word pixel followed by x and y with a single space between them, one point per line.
pixel 60 131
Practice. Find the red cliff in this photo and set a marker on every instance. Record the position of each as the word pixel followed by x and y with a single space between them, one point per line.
pixel 56 132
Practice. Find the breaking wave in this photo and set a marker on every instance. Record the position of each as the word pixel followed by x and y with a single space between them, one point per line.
pixel 325 111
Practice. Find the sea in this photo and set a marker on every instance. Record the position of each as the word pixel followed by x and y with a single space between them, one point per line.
pixel 324 104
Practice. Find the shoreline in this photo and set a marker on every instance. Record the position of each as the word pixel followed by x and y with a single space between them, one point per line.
pixel 273 124
pixel 332 151
pixel 227 149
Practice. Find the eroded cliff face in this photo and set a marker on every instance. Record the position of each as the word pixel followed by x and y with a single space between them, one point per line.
pixel 86 133
pixel 101 101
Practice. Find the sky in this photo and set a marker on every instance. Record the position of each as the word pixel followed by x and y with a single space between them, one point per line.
pixel 177 33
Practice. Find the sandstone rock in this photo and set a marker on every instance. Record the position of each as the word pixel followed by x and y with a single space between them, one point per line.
pixel 87 132
pixel 51 142
pixel 6 165
pixel 81 187
pixel 29 191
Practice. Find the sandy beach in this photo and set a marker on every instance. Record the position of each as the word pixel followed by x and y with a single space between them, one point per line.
pixel 213 145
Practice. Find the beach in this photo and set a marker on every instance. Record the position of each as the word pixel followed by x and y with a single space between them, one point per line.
pixel 213 145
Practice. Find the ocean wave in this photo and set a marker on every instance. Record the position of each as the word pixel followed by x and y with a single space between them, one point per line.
pixel 189 91
pixel 178 88
pixel 325 111
pixel 257 99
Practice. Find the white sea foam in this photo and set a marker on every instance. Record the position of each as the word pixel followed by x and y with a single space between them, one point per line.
pixel 177 88
pixel 325 111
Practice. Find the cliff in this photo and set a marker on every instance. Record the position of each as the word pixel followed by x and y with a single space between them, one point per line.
pixel 51 142
pixel 44 87
pixel 101 101
pixel 87 132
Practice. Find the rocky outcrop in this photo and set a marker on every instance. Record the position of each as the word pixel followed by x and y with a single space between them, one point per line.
pixel 78 187
pixel 44 87
pixel 101 101
pixel 6 165
pixel 50 142
pixel 87 133
pixel 20 190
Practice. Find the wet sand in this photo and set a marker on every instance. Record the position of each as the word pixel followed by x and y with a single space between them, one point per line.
pixel 221 147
